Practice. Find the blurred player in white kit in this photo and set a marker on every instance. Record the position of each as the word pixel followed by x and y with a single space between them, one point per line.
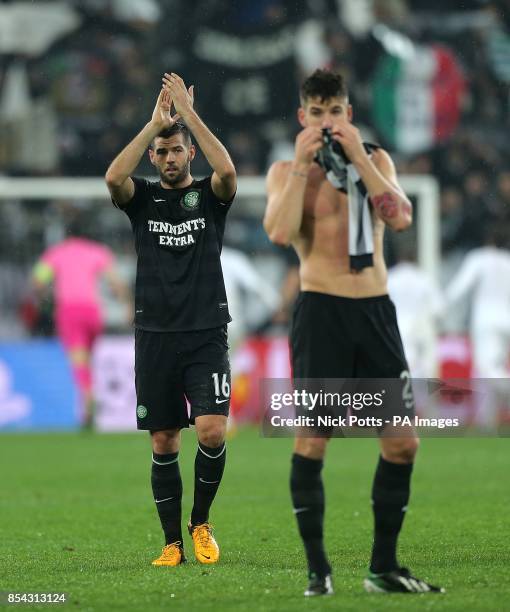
pixel 485 274
pixel 242 281
pixel 241 277
pixel 419 305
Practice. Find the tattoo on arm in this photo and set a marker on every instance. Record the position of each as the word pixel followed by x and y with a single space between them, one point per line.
pixel 386 204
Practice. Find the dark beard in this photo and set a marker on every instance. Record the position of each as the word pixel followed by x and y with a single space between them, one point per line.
pixel 178 178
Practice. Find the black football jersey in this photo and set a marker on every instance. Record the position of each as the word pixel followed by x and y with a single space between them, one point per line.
pixel 178 239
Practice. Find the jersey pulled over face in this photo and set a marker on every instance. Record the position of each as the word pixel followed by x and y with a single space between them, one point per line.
pixel 323 244
pixel 323 241
pixel 178 239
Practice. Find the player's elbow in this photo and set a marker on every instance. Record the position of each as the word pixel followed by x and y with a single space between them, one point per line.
pixel 277 235
pixel 230 173
pixel 227 174
pixel 405 219
pixel 113 180
pixel 280 238
pixel 403 223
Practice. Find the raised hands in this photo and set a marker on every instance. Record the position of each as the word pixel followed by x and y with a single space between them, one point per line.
pixel 181 97
pixel 308 142
pixel 162 116
pixel 348 135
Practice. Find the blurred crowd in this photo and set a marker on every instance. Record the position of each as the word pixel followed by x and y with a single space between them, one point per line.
pixel 78 89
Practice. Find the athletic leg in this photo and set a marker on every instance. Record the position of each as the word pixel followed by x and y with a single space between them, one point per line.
pixel 207 386
pixel 383 358
pixel 209 464
pixel 78 326
pixel 80 363
pixel 166 482
pixel 390 495
pixel 318 330
pixel 161 410
pixel 307 492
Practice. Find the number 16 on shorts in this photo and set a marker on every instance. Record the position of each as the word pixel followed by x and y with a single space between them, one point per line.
pixel 221 387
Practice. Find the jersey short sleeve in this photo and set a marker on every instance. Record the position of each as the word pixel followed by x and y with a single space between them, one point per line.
pixel 221 206
pixel 139 199
pixel 178 236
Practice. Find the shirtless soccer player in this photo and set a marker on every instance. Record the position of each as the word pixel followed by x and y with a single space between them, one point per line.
pixel 181 310
pixel 344 324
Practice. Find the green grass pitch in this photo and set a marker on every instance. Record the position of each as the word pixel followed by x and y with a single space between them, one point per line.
pixel 77 516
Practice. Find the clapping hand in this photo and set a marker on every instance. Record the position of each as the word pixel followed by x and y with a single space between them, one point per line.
pixel 181 97
pixel 162 116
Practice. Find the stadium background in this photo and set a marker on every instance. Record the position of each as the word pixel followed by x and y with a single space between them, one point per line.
pixel 78 80
pixel 78 89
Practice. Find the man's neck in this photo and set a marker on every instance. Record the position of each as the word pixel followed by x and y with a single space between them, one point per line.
pixel 180 185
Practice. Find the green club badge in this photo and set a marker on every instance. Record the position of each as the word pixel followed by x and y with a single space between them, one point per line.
pixel 191 200
pixel 141 412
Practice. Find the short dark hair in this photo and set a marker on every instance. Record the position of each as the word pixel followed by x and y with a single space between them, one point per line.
pixel 323 84
pixel 177 128
pixel 77 227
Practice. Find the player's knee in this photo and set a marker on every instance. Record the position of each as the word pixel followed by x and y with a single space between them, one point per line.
pixel 211 430
pixel 212 436
pixel 311 448
pixel 166 441
pixel 401 450
pixel 408 451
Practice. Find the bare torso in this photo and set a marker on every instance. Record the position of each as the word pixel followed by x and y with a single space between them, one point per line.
pixel 323 244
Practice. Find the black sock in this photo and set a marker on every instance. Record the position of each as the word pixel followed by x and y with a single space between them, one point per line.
pixel 390 494
pixel 167 489
pixel 307 493
pixel 209 466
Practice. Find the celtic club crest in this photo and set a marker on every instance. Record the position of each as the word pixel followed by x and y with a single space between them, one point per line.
pixel 191 200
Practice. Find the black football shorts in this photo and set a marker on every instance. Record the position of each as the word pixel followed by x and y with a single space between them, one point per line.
pixel 173 369
pixel 333 339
